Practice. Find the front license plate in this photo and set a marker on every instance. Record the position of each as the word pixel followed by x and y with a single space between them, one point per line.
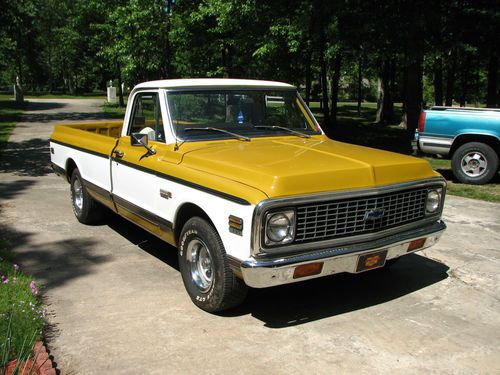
pixel 371 261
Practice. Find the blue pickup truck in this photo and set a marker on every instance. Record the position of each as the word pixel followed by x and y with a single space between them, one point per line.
pixel 470 137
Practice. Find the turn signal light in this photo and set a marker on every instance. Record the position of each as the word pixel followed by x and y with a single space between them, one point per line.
pixel 416 244
pixel 309 269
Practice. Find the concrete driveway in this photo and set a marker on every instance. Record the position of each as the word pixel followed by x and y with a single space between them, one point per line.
pixel 117 304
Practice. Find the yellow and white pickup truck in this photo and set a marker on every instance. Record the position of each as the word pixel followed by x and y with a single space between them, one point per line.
pixel 239 176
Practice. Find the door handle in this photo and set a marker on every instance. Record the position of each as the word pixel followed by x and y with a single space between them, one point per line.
pixel 118 154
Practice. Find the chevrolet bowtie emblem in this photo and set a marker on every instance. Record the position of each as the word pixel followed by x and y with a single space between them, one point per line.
pixel 376 213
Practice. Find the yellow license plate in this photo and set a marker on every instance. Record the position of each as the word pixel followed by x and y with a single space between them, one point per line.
pixel 371 261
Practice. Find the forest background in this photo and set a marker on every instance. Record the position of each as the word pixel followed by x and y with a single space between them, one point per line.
pixel 414 52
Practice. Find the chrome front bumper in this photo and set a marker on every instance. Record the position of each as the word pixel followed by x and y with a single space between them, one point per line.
pixel 262 273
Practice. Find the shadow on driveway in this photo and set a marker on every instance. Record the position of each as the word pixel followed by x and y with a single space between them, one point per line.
pixel 29 116
pixel 307 301
pixel 51 263
pixel 144 240
pixel 68 116
pixel 27 158
pixel 300 303
pixel 44 106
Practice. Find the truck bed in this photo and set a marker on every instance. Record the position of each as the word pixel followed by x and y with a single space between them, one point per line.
pixel 94 137
pixel 108 128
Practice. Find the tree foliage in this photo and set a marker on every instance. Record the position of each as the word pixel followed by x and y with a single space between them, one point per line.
pixel 393 50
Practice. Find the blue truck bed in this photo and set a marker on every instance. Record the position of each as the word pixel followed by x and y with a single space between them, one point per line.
pixel 470 137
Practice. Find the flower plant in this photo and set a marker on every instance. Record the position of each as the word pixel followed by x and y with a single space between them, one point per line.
pixel 21 313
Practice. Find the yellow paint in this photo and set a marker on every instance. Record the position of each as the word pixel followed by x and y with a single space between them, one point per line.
pixel 284 166
pixel 169 162
pixel 150 227
pixel 102 137
pixel 264 167
pixel 105 201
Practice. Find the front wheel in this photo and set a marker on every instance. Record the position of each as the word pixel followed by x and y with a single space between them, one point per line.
pixel 205 271
pixel 474 163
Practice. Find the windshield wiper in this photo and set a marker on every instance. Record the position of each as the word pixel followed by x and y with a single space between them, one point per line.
pixel 274 127
pixel 238 136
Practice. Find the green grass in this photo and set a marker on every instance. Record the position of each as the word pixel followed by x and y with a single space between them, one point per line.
pixel 10 114
pixel 21 314
pixel 360 129
pixel 114 110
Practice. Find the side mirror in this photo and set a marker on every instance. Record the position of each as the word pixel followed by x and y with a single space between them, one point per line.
pixel 138 139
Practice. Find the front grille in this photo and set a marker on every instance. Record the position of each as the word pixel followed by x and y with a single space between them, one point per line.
pixel 347 217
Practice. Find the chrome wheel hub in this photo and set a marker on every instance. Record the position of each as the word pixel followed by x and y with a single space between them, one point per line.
pixel 200 262
pixel 474 164
pixel 78 194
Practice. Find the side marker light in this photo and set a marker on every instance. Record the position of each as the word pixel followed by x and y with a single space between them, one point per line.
pixel 309 269
pixel 416 244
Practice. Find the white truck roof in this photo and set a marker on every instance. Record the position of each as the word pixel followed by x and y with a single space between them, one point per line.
pixel 202 83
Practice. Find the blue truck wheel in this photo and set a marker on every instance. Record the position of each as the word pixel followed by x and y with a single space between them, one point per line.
pixel 474 163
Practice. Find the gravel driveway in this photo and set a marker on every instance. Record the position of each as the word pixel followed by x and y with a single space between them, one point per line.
pixel 117 304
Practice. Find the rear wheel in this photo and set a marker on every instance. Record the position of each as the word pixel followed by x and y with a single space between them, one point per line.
pixel 474 163
pixel 205 271
pixel 85 208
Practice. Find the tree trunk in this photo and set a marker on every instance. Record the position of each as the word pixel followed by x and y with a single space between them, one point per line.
pixel 491 96
pixel 413 96
pixel 120 91
pixel 308 81
pixel 360 85
pixel 322 63
pixel 166 66
pixel 226 60
pixel 337 61
pixel 450 79
pixel 392 85
pixel 309 52
pixel 438 81
pixel 384 98
pixel 465 80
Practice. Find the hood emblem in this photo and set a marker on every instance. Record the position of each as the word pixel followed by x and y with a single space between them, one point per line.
pixel 376 213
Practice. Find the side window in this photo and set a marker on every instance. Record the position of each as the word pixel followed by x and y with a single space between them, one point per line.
pixel 146 117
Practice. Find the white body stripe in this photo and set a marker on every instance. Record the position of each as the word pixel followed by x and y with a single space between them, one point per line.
pixel 143 189
pixel 93 168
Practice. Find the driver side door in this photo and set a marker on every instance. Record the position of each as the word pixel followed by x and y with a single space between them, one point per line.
pixel 135 185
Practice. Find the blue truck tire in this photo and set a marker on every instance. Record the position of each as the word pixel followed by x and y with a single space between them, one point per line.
pixel 474 163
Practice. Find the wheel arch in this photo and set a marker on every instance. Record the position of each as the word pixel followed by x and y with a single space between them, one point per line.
pixel 70 167
pixel 462 139
pixel 185 212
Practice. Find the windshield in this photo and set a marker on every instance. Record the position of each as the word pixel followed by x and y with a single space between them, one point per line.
pixel 238 114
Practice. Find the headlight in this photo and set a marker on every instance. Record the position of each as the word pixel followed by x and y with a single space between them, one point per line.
pixel 280 227
pixel 433 201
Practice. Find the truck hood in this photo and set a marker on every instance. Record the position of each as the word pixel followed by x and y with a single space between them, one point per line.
pixel 287 166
